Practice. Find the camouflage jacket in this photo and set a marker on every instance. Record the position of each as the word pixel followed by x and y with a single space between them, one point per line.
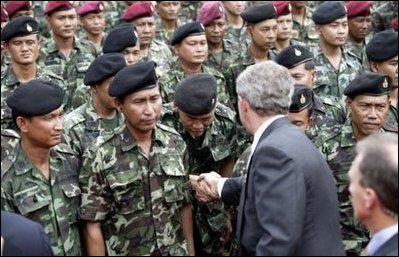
pixel 161 34
pixel 83 126
pixel 174 76
pixel 9 139
pixel 338 146
pixel 391 125
pixel 189 10
pixel 332 82
pixel 71 69
pixel 360 51
pixel 383 15
pixel 307 33
pixel 239 37
pixel 160 53
pixel 222 61
pixel 9 82
pixel 52 202
pixel 137 199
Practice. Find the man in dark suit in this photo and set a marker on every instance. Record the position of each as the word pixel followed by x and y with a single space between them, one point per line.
pixel 374 190
pixel 23 237
pixel 288 202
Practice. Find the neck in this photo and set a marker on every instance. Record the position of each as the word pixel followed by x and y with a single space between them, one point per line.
pixel 215 48
pixel 139 136
pixel 96 39
pixel 235 21
pixel 103 112
pixel 380 221
pixel 330 50
pixel 356 41
pixel 256 122
pixel 65 45
pixel 144 50
pixel 169 25
pixel 24 73
pixel 39 156
pixel 190 68
pixel 301 11
pixel 257 53
pixel 281 44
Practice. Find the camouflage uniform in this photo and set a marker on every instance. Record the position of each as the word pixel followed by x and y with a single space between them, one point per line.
pixel 392 120
pixel 238 37
pixel 72 69
pixel 307 33
pixel 137 199
pixel 160 53
pixel 169 81
pixel 222 61
pixel 83 125
pixel 383 15
pixel 113 11
pixel 338 146
pixel 161 34
pixel 360 51
pixel 332 82
pixel 189 11
pixel 9 139
pixel 38 12
pixel 52 202
pixel 206 155
pixel 9 82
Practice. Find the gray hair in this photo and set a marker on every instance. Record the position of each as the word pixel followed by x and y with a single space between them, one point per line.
pixel 378 168
pixel 268 88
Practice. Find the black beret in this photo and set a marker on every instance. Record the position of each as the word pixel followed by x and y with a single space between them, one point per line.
pixel 119 38
pixel 134 78
pixel 189 29
pixel 103 67
pixel 36 97
pixel 301 99
pixel 18 27
pixel 293 56
pixel 258 13
pixel 383 46
pixel 328 12
pixel 197 94
pixel 373 84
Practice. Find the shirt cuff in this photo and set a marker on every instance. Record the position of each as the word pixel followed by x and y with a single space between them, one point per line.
pixel 220 186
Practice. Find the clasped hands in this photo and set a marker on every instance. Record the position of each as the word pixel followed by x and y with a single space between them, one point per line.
pixel 205 186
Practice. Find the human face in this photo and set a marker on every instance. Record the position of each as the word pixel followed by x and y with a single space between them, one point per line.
pixel 303 76
pixel 334 33
pixel 389 68
pixel 215 31
pixel 93 23
pixel 368 113
pixel 142 110
pixel 145 30
pixel 264 34
pixel 284 27
pixel 101 92
pixel 24 50
pixel 359 27
pixel 193 50
pixel 132 54
pixel 196 125
pixel 357 191
pixel 63 23
pixel 43 131
pixel 301 119
pixel 168 10
pixel 22 13
pixel 234 7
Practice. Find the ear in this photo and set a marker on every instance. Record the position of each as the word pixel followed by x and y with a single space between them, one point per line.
pixel 250 30
pixel 349 103
pixel 370 198
pixel 176 49
pixel 22 124
pixel 119 104
pixel 318 30
pixel 373 66
pixel 314 75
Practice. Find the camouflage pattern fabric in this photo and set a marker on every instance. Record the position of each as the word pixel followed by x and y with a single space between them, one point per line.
pixel 239 37
pixel 161 34
pixel 137 199
pixel 383 14
pixel 160 53
pixel 307 33
pixel 222 61
pixel 52 202
pixel 189 10
pixel 360 51
pixel 391 124
pixel 9 139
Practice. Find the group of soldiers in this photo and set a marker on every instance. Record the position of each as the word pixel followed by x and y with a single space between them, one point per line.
pixel 108 107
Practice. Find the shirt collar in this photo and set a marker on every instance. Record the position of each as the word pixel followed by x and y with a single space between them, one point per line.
pixel 381 238
pixel 261 130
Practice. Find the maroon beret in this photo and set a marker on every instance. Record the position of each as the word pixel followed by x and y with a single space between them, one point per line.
pixel 53 6
pixel 12 7
pixel 138 10
pixel 210 11
pixel 4 15
pixel 282 7
pixel 394 23
pixel 91 7
pixel 358 8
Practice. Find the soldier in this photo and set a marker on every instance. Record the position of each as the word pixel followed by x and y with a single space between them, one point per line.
pixel 236 29
pixel 18 8
pixel 368 105
pixel 99 116
pixel 327 111
pixel 22 41
pixel 189 43
pixel 91 16
pixel 135 198
pixel 301 107
pixel 382 53
pixel 221 51
pixel 303 25
pixel 9 139
pixel 209 129
pixel 359 24
pixel 168 21
pixel 262 28
pixel 336 66
pixel 141 15
pixel 64 54
pixel 123 39
pixel 41 182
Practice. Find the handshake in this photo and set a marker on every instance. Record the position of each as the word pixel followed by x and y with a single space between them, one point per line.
pixel 206 186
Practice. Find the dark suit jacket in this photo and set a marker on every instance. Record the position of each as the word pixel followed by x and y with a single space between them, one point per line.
pixel 288 205
pixel 390 248
pixel 23 237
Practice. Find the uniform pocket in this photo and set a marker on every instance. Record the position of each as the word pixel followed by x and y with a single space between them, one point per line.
pixel 30 201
